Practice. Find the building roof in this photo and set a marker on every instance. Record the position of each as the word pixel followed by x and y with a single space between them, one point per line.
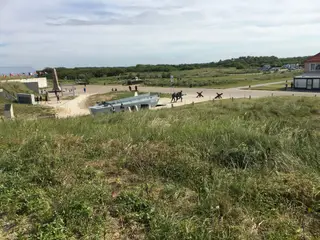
pixel 16 70
pixel 315 58
pixel 309 75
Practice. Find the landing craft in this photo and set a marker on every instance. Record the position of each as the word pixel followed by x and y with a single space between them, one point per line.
pixel 145 101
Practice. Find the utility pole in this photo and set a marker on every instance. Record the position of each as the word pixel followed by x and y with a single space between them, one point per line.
pixel 172 83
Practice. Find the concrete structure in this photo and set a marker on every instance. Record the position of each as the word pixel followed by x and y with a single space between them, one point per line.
pixel 25 98
pixel 136 103
pixel 34 84
pixel 310 80
pixel 56 86
pixel 8 111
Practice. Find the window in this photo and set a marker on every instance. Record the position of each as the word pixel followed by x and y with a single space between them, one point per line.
pixel 312 67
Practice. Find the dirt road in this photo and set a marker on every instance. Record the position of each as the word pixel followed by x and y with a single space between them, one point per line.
pixel 72 108
pixel 76 107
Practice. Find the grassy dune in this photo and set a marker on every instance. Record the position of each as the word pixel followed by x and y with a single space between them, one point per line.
pixel 222 170
pixel 14 88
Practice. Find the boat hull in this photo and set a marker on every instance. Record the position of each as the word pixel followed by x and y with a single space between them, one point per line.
pixel 126 104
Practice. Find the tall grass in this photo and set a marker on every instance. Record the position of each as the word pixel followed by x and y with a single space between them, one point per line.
pixel 222 170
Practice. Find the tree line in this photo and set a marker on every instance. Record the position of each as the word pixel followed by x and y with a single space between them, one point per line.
pixel 248 62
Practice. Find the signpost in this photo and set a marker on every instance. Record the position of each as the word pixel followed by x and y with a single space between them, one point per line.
pixel 172 82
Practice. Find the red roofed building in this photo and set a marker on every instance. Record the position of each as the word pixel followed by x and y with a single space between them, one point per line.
pixel 312 64
pixel 310 80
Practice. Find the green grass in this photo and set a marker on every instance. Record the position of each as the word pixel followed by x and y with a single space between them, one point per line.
pixel 24 111
pixel 247 169
pixel 273 87
pixel 209 78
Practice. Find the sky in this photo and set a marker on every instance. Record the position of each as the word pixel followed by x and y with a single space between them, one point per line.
pixel 74 33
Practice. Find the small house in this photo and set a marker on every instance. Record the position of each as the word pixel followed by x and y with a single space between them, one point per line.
pixel 310 79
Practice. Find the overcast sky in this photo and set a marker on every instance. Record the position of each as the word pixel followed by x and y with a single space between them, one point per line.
pixel 71 33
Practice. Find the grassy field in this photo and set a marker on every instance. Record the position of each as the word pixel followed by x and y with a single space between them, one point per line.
pixel 247 169
pixel 207 78
pixel 211 78
pixel 273 87
pixel 23 111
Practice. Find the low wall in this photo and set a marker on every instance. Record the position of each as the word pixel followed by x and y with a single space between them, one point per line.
pixel 42 82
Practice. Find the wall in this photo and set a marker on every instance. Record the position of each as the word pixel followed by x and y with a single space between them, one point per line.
pixel 34 86
pixel 308 65
pixel 43 82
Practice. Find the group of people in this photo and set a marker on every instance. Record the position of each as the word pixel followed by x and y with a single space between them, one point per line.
pixel 39 99
pixel 176 96
pixel 135 88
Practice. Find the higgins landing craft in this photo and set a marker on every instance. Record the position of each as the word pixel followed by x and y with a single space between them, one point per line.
pixel 136 103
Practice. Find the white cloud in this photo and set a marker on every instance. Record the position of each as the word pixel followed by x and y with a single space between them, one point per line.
pixel 127 32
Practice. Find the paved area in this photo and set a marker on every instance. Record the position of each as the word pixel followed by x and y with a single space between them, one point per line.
pixel 76 107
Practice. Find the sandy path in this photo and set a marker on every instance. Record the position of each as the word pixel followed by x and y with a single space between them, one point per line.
pixel 73 108
pixel 76 107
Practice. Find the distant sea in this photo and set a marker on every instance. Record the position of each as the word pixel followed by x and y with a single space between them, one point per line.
pixel 16 70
